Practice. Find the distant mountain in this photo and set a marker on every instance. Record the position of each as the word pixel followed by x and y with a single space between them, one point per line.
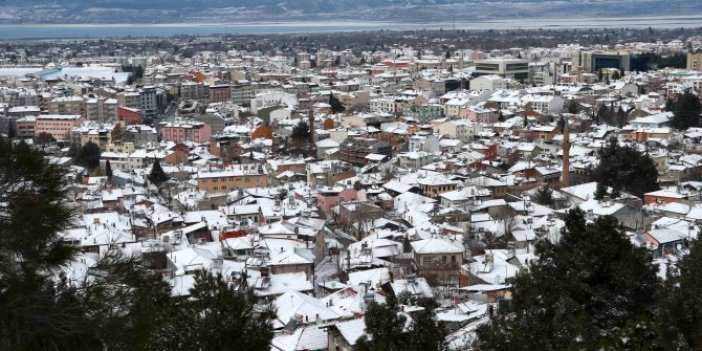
pixel 161 11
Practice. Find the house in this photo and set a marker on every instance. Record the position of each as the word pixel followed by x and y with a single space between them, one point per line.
pixel 663 241
pixel 438 260
pixel 344 335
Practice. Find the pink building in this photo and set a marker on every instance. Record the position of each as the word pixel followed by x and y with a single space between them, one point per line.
pixel 58 126
pixel 328 197
pixel 479 114
pixel 182 131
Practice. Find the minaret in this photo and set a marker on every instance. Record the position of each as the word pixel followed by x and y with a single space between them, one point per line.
pixel 566 155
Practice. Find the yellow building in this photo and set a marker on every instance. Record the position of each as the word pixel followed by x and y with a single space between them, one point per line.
pixel 236 177
pixel 694 61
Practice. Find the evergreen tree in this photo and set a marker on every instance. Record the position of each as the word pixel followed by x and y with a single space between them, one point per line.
pixel 687 111
pixel 573 106
pixel 215 317
pixel 544 196
pixel 129 308
pixel 36 311
pixel 593 290
pixel 387 329
pixel 88 156
pixel 301 132
pixel 681 311
pixel 621 117
pixel 336 105
pixel 157 175
pixel 11 130
pixel 601 191
pixel 385 326
pixel 108 170
pixel 625 169
pixel 670 105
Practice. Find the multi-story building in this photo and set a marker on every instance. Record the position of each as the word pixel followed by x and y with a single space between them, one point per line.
pixel 694 61
pixel 517 69
pixel 237 177
pixel 140 135
pixel 130 99
pixel 129 115
pixel 26 126
pixel 185 130
pixel 68 105
pixel 220 93
pixel 149 101
pixel 438 260
pixel 58 126
pixel 355 150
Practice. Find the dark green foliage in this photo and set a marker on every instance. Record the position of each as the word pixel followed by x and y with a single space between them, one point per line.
pixel 650 61
pixel 573 106
pixel 336 105
pixel 44 138
pixel 391 331
pixel 670 105
pixel 123 307
pixel 591 291
pixel 544 196
pixel 625 169
pixel 88 156
pixel 157 175
pixel 621 117
pixel 35 313
pixel 219 318
pixel 108 170
pixel 681 311
pixel 11 130
pixel 601 191
pixel 687 110
pixel 128 307
pixel 137 71
pixel 301 132
pixel 616 75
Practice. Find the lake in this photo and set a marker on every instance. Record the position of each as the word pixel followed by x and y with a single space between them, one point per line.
pixel 47 31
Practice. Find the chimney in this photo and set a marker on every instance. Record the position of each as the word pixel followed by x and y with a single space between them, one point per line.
pixel 566 155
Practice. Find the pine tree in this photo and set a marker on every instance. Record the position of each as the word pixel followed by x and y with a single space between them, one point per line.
pixel 336 105
pixel 593 290
pixel 681 310
pixel 301 132
pixel 215 317
pixel 544 196
pixel 108 170
pixel 157 175
pixel 625 169
pixel 88 156
pixel 687 111
pixel 601 191
pixel 36 312
pixel 385 326
pixel 387 329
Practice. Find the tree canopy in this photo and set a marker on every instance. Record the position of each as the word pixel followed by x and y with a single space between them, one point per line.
pixel 157 175
pixel 390 330
pixel 686 111
pixel 592 290
pixel 625 169
pixel 123 306
pixel 301 132
pixel 336 105
pixel 88 155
